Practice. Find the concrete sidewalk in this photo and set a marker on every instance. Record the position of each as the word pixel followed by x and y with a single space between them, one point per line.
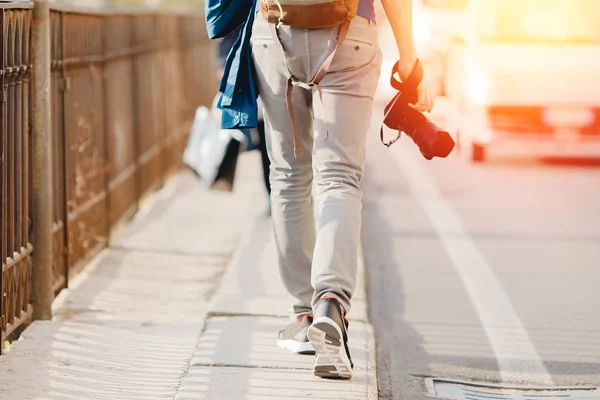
pixel 185 305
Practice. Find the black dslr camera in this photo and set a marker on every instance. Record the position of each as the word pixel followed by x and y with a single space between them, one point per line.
pixel 431 140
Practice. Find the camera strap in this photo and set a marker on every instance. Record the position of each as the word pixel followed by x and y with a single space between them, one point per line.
pixel 407 94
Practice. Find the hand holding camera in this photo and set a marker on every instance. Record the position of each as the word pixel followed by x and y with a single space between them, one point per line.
pixel 401 116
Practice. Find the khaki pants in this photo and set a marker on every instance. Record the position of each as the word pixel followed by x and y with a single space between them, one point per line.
pixel 317 257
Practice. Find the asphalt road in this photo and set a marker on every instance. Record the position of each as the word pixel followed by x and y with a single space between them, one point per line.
pixel 485 273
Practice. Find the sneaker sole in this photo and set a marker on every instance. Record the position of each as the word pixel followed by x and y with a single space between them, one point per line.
pixel 304 348
pixel 327 340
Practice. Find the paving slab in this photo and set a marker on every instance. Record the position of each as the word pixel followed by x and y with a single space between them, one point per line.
pixel 137 286
pixel 252 342
pixel 270 384
pixel 126 263
pixel 87 361
pixel 184 219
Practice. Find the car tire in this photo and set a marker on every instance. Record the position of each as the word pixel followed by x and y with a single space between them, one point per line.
pixel 478 153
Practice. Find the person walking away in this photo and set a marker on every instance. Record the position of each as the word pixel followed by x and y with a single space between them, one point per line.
pixel 317 112
pixel 224 48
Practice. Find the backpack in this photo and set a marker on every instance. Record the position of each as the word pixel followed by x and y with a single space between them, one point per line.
pixel 309 14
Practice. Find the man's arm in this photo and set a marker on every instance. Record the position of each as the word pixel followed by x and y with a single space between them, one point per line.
pixel 400 15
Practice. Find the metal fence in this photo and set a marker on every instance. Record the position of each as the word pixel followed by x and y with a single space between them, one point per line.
pixel 15 183
pixel 124 91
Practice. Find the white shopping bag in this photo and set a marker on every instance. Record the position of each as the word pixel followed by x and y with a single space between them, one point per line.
pixel 209 148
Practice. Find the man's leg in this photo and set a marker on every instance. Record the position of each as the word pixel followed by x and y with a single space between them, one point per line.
pixel 348 92
pixel 342 122
pixel 291 177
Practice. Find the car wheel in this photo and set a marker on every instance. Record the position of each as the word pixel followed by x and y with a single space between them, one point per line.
pixel 478 153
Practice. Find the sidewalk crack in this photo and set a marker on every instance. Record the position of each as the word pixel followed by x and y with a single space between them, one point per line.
pixel 245 366
pixel 215 314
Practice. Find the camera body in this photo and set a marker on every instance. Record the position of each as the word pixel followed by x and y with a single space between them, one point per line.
pixel 399 115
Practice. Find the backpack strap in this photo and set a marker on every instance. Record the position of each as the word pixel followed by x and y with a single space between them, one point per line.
pixel 314 82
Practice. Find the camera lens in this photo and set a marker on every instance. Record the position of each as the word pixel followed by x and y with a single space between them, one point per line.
pixel 431 140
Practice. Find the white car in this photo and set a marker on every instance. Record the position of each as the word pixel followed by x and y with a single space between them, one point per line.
pixel 526 80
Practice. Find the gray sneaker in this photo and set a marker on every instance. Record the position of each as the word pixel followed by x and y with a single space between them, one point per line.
pixel 294 336
pixel 329 336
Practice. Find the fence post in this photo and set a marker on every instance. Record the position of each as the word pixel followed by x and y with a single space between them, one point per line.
pixel 42 163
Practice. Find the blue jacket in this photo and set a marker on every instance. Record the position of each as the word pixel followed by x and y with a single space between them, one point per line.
pixel 239 94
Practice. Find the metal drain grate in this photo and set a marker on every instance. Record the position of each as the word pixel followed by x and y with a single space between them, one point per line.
pixel 458 390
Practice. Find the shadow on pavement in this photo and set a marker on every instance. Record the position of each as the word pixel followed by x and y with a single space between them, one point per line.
pixel 392 330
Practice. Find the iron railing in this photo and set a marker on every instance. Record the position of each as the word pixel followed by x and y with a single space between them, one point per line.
pixel 15 28
pixel 124 89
